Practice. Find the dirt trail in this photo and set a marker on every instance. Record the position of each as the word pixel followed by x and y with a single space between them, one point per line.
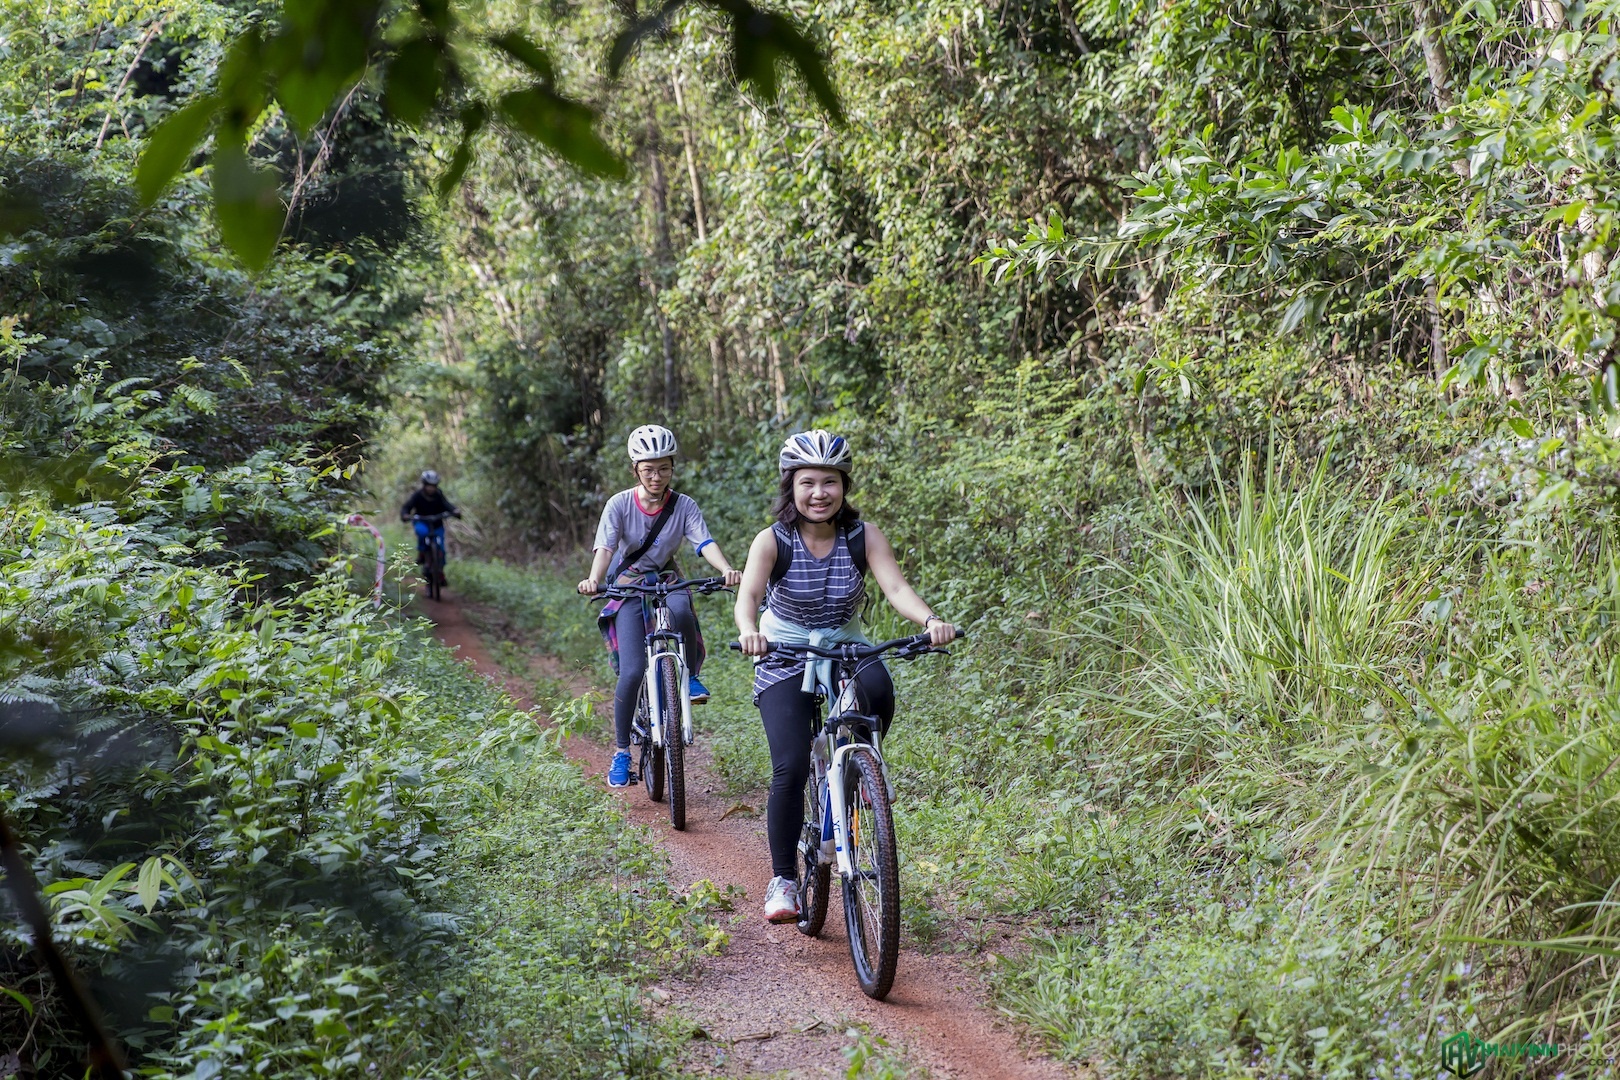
pixel 776 1002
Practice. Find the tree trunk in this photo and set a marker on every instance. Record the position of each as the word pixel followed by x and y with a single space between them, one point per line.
pixel 778 378
pixel 700 215
pixel 1430 25
pixel 1437 332
pixel 663 262
pixel 717 374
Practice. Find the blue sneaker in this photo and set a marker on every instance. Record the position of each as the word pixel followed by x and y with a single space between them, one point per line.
pixel 619 771
pixel 699 693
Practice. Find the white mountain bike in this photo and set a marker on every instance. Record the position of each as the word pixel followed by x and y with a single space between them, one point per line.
pixel 848 822
pixel 662 726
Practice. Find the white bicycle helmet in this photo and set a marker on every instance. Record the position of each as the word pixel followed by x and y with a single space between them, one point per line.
pixel 430 477
pixel 649 442
pixel 816 449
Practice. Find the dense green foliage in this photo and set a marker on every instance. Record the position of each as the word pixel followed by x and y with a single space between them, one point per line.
pixel 1244 373
pixel 279 832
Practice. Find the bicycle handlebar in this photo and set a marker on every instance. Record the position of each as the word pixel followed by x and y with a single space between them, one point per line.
pixel 659 588
pixel 915 645
pixel 430 518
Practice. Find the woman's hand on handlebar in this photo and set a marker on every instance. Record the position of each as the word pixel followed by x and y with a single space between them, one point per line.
pixel 588 587
pixel 733 578
pixel 940 632
pixel 753 644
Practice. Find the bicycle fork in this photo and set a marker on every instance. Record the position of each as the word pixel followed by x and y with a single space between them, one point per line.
pixel 650 685
pixel 834 821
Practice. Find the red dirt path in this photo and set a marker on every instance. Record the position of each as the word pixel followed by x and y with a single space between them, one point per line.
pixel 776 1002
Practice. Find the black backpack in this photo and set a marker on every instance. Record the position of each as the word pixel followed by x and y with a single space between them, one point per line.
pixel 854 535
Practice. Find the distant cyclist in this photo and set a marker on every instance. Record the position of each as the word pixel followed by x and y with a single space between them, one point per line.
pixel 809 569
pixel 427 501
pixel 639 534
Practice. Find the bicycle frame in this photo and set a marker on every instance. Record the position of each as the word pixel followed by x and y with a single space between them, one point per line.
pixel 839 727
pixel 663 639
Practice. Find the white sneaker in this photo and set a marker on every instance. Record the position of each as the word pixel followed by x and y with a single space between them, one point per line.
pixel 782 900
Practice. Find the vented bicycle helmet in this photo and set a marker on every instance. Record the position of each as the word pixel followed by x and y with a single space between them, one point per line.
pixel 651 442
pixel 815 449
pixel 430 477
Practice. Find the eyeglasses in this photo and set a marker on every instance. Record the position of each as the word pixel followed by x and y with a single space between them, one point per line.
pixel 656 470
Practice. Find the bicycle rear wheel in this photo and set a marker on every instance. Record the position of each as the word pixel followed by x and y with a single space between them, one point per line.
pixel 815 876
pixel 674 743
pixel 872 893
pixel 652 757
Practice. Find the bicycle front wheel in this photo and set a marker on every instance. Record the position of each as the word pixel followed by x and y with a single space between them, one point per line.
pixel 815 875
pixel 872 893
pixel 674 744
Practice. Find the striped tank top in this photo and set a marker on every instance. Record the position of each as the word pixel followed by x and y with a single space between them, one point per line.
pixel 819 594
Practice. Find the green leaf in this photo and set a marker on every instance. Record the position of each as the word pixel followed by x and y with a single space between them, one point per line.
pixel 526 53
pixel 1521 427
pixel 247 204
pixel 149 883
pixel 22 999
pixel 759 38
pixel 473 119
pixel 413 80
pixel 563 125
pixel 1554 494
pixel 169 146
pixel 631 36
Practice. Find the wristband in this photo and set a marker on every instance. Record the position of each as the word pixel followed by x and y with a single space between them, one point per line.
pixel 930 619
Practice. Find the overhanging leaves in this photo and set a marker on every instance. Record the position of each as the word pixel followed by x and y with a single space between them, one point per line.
pixel 170 146
pixel 565 126
pixel 247 204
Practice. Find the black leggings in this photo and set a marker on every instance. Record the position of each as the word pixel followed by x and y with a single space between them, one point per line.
pixel 632 632
pixel 788 713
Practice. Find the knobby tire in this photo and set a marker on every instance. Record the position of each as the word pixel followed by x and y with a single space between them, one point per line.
pixel 674 742
pixel 872 895
pixel 815 875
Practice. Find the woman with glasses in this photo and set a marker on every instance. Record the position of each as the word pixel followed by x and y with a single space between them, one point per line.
pixel 638 536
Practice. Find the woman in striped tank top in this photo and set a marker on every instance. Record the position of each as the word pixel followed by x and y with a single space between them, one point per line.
pixel 822 592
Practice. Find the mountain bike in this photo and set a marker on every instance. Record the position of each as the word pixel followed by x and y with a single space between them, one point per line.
pixel 848 823
pixel 433 556
pixel 662 726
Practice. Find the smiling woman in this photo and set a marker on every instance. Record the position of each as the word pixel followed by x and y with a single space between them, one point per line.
pixel 815 598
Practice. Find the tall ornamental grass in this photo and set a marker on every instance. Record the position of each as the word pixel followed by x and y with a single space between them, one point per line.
pixel 1243 633
pixel 1425 727
pixel 1486 832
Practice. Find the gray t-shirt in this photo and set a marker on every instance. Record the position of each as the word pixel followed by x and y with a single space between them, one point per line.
pixel 625 525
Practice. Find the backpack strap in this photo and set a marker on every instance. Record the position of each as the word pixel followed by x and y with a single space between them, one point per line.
pixel 652 536
pixel 854 536
pixel 784 553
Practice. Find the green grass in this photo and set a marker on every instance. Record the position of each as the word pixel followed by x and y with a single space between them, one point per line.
pixel 1294 782
pixel 561 906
